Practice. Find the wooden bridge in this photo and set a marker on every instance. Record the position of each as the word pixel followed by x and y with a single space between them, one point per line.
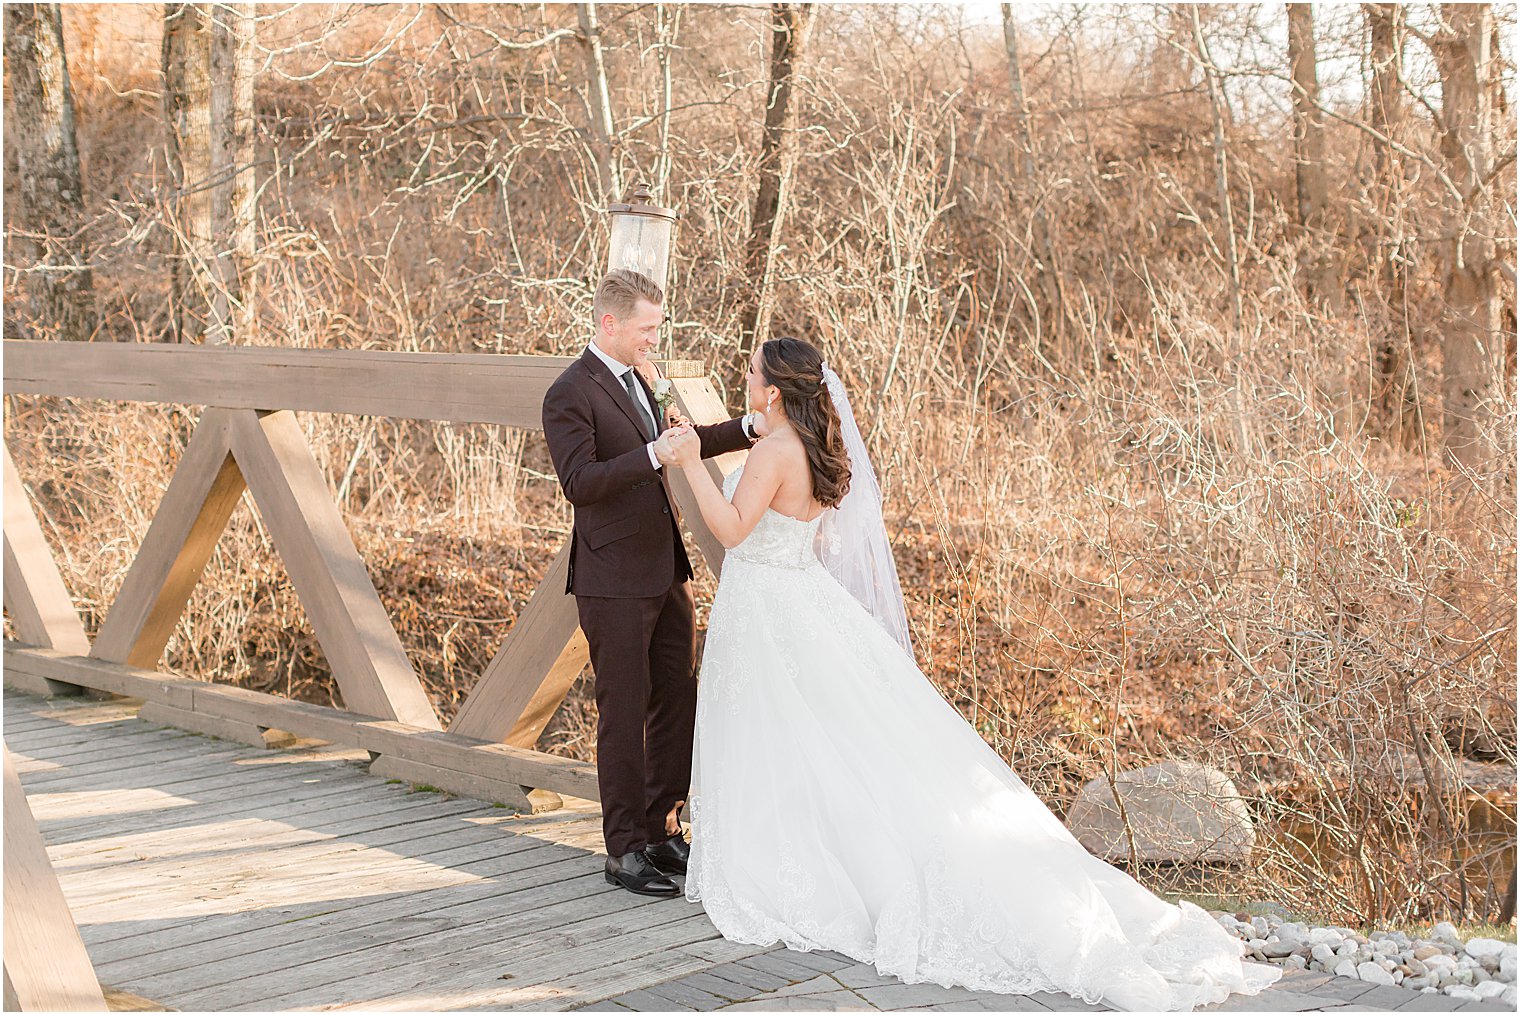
pixel 199 846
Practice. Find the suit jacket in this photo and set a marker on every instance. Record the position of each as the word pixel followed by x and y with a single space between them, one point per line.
pixel 625 543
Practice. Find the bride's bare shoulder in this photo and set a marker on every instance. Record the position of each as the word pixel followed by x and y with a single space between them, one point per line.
pixel 782 452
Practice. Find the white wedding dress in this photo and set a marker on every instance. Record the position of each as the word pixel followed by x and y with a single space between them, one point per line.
pixel 838 802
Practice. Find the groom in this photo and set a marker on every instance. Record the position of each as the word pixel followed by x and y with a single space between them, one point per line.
pixel 629 574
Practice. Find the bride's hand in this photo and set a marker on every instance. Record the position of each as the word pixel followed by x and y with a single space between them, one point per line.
pixel 686 445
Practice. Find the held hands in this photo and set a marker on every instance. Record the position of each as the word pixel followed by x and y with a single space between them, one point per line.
pixel 679 445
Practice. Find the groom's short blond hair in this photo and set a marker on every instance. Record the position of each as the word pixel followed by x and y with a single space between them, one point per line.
pixel 619 291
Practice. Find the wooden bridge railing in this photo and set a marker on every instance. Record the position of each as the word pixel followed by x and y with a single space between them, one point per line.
pixel 248 439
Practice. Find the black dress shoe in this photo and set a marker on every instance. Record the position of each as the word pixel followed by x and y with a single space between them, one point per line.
pixel 634 872
pixel 670 856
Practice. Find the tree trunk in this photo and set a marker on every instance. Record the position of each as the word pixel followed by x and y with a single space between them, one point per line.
pixel 1472 341
pixel 778 161
pixel 1221 172
pixel 1396 385
pixel 609 180
pixel 1309 157
pixel 187 117
pixel 49 224
pixel 208 64
pixel 234 209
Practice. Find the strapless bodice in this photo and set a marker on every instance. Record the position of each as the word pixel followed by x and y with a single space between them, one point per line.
pixel 777 540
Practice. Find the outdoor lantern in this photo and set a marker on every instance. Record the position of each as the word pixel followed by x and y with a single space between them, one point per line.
pixel 641 236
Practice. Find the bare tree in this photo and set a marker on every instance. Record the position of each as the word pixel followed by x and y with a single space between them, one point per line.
pixel 1472 342
pixel 187 119
pixel 232 158
pixel 1313 189
pixel 1397 387
pixel 603 133
pixel 208 65
pixel 790 24
pixel 50 222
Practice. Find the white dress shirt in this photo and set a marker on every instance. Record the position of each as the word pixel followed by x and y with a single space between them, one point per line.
pixel 618 370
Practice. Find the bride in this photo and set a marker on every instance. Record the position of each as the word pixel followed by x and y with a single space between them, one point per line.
pixel 838 802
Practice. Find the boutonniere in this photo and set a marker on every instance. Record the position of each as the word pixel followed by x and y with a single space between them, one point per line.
pixel 664 393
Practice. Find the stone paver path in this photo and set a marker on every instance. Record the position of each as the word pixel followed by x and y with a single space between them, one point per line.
pixel 783 980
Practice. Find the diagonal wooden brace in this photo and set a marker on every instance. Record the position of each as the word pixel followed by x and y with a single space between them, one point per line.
pixel 531 673
pixel 330 578
pixel 201 497
pixel 35 595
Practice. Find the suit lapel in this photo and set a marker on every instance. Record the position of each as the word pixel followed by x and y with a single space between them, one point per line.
pixel 614 388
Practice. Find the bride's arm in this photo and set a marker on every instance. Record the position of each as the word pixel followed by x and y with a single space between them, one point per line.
pixel 731 522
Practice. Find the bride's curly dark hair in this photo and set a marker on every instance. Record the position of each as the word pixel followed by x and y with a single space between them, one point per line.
pixel 795 367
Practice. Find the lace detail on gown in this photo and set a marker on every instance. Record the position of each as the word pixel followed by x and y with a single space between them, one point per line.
pixel 838 802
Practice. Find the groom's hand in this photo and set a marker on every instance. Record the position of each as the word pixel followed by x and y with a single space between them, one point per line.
pixel 664 448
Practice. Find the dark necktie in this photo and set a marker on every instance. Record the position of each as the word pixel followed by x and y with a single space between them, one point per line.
pixel 638 404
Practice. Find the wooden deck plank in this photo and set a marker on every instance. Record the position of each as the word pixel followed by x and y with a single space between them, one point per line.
pixel 203 774
pixel 338 879
pixel 614 979
pixel 247 931
pixel 258 832
pixel 278 963
pixel 480 955
pixel 141 753
pixel 57 741
pixel 180 806
pixel 145 958
pixel 294 847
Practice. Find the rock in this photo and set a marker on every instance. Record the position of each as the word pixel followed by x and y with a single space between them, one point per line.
pixel 1291 934
pixel 1444 931
pixel 1346 968
pixel 1415 967
pixel 1490 989
pixel 1275 948
pixel 1507 968
pixel 1243 916
pixel 1486 947
pixel 1325 935
pixel 1259 925
pixel 1440 960
pixel 1298 961
pixel 1179 811
pixel 1461 993
pixel 1510 995
pixel 1426 951
pixel 1371 972
pixel 1383 946
pixel 1417 982
pixel 1324 953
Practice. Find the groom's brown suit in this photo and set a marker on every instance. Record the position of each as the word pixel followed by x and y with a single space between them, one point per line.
pixel 628 573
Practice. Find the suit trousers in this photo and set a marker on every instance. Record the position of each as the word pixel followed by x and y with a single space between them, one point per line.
pixel 643 654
